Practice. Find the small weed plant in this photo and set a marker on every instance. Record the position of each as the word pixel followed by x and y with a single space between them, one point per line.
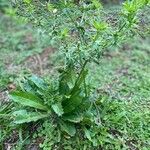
pixel 71 114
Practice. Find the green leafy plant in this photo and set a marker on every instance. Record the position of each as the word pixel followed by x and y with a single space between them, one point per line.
pixel 64 101
pixel 68 101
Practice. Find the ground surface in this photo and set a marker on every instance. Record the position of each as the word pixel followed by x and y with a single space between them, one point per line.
pixel 22 51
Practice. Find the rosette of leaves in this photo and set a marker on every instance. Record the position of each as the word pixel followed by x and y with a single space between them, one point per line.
pixel 66 102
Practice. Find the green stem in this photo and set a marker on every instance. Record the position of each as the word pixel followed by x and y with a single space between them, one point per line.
pixel 81 72
pixel 82 41
pixel 20 135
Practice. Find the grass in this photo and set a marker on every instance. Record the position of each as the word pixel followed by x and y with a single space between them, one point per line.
pixel 124 73
pixel 122 79
pixel 18 43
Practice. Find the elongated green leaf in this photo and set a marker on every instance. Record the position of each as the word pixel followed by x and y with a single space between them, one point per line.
pixel 79 81
pixel 75 118
pixel 67 80
pixel 5 109
pixel 100 26
pixel 22 116
pixel 76 97
pixel 5 116
pixel 82 77
pixel 58 109
pixel 27 99
pixel 87 134
pixel 69 128
pixel 38 82
pixel 73 102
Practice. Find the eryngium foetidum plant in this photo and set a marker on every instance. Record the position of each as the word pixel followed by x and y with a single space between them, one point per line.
pixel 82 33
